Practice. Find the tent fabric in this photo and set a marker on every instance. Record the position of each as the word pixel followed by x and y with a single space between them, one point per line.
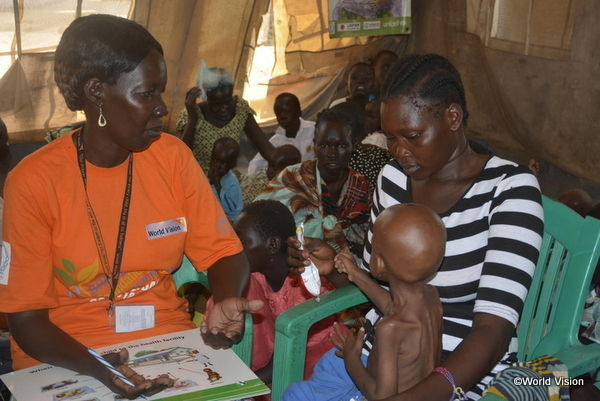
pixel 536 98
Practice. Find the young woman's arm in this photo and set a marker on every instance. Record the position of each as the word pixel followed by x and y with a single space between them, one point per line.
pixel 60 349
pixel 187 135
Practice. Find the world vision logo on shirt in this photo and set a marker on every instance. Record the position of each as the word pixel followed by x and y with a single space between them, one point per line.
pixel 165 228
pixel 77 281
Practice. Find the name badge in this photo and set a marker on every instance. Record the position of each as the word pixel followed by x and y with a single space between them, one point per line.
pixel 166 228
pixel 130 318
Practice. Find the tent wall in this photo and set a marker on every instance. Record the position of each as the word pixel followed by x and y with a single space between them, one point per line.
pixel 522 105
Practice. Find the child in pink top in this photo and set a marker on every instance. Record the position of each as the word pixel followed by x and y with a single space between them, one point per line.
pixel 263 227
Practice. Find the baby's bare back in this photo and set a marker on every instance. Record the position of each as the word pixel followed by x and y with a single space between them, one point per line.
pixel 414 335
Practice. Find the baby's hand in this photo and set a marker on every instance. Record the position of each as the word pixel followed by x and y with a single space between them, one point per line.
pixel 348 343
pixel 345 263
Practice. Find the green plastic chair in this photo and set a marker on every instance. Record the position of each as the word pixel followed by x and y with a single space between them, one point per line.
pixel 188 274
pixel 549 323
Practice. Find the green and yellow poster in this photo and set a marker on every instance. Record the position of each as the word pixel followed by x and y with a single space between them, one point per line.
pixel 349 18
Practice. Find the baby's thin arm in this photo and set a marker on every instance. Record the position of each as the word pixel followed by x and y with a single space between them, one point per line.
pixel 345 263
pixel 385 382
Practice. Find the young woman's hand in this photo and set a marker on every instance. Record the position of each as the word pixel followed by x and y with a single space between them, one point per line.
pixel 314 248
pixel 141 385
pixel 225 325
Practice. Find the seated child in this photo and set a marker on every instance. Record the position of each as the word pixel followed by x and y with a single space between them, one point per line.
pixel 253 184
pixel 408 247
pixel 292 130
pixel 263 227
pixel 223 181
pixel 373 125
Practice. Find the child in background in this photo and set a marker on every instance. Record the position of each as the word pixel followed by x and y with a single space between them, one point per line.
pixel 223 181
pixel 408 247
pixel 373 125
pixel 263 227
pixel 253 184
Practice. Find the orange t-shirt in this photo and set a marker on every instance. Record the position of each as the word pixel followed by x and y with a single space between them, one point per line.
pixel 54 262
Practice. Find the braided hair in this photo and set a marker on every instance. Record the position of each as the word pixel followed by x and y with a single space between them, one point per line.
pixel 429 77
pixel 272 219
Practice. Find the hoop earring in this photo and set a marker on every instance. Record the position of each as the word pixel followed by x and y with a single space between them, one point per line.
pixel 101 119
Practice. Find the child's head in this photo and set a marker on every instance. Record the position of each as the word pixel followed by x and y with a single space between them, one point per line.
pixel 288 112
pixel 409 242
pixel 282 156
pixel 373 116
pixel 263 227
pixel 361 81
pixel 224 155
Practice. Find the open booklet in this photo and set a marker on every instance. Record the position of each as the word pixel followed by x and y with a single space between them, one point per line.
pixel 200 373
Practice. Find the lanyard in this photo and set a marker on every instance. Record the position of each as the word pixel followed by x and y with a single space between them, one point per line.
pixel 112 275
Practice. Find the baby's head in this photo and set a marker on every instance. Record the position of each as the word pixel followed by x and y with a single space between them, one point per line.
pixel 263 227
pixel 408 245
pixel 373 116
pixel 282 156
pixel 224 155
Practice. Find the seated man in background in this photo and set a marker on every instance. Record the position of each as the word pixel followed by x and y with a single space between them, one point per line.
pixel 292 130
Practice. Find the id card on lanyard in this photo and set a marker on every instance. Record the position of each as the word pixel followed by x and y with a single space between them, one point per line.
pixel 124 318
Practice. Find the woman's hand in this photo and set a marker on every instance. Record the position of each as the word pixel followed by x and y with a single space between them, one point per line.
pixel 190 103
pixel 142 385
pixel 225 325
pixel 314 248
pixel 345 263
pixel 349 343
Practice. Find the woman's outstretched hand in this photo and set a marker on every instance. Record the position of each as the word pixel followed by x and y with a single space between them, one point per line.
pixel 314 248
pixel 225 325
pixel 142 386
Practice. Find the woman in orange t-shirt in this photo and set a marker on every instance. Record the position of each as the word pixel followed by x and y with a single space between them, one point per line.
pixel 96 221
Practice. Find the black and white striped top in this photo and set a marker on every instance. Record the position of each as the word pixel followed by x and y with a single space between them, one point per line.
pixel 494 234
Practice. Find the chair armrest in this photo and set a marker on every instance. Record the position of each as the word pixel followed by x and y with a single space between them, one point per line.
pixel 581 359
pixel 291 332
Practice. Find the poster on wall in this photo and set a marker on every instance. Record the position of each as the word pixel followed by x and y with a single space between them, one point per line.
pixel 350 18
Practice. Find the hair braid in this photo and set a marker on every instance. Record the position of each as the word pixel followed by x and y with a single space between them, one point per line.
pixel 430 77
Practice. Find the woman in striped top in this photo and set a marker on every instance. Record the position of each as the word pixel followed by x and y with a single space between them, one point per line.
pixel 492 211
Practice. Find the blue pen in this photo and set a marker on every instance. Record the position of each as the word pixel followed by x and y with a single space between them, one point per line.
pixel 113 369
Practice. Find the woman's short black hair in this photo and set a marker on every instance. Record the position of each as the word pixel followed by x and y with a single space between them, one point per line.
pixel 98 46
pixel 272 219
pixel 356 116
pixel 429 77
pixel 329 115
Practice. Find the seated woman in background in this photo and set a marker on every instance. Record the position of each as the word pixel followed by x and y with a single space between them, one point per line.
pixel 324 192
pixel 220 115
pixel 367 159
pixel 494 219
pixel 86 244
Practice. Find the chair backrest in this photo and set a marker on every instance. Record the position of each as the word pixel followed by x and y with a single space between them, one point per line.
pixel 568 258
pixel 187 273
